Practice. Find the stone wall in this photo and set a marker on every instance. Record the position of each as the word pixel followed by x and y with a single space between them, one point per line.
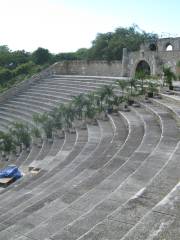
pixel 89 68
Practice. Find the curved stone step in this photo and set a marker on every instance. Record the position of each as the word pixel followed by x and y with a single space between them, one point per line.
pixel 89 148
pixel 127 153
pixel 112 202
pixel 132 210
pixel 163 219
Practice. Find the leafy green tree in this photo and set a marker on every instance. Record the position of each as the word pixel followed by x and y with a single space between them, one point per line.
pixel 81 54
pixel 64 56
pixel 109 46
pixel 41 56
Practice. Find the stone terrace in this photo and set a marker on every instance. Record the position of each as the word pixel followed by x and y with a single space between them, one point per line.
pixel 115 180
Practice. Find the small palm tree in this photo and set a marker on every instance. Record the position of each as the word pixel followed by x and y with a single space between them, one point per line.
pixel 106 95
pixel 7 144
pixel 169 77
pixel 57 117
pixel 68 115
pixel 141 75
pixel 133 85
pixel 78 103
pixel 122 84
pixel 21 134
pixel 45 122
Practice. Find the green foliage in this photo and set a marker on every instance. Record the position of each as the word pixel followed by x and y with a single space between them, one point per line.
pixel 35 132
pixel 169 76
pixel 64 56
pixel 25 68
pixel 152 87
pixel 109 46
pixel 45 122
pixel 81 54
pixel 20 132
pixel 41 56
pixel 122 84
pixel 5 75
pixel 178 64
pixel 7 143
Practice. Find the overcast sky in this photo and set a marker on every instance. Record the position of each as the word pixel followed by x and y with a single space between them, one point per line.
pixel 67 25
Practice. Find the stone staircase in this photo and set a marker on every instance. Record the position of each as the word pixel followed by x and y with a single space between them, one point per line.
pixel 115 180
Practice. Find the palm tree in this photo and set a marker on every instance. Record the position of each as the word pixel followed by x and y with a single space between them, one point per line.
pixel 122 84
pixel 7 144
pixel 106 95
pixel 78 103
pixel 169 77
pixel 21 134
pixel 141 75
pixel 68 115
pixel 57 118
pixel 45 122
pixel 133 85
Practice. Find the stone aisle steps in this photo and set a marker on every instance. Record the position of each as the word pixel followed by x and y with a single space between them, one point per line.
pixel 162 221
pixel 157 189
pixel 92 194
pixel 27 180
pixel 114 199
pixel 123 219
pixel 95 144
pixel 89 148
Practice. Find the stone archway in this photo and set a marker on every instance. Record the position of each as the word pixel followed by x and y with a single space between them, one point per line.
pixel 143 66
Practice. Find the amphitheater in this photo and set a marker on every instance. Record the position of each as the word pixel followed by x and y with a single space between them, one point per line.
pixel 115 180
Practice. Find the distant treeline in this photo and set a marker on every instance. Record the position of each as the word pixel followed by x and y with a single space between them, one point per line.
pixel 109 46
pixel 15 66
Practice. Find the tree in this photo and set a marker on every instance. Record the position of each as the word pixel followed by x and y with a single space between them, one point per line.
pixel 68 115
pixel 122 84
pixel 41 56
pixel 7 145
pixel 57 117
pixel 169 76
pixel 141 75
pixel 20 132
pixel 79 102
pixel 45 122
pixel 109 46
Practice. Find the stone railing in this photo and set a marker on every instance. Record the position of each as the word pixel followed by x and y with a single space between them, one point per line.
pixel 24 84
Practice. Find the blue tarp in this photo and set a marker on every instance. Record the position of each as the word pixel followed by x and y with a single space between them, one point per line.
pixel 10 172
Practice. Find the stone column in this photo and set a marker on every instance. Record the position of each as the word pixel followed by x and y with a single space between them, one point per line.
pixel 125 63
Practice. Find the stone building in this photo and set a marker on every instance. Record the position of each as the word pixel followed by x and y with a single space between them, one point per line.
pixel 151 57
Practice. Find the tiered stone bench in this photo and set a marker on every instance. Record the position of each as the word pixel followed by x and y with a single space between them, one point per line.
pixel 117 180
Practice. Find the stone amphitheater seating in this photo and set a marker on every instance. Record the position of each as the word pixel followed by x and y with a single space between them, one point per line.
pixel 115 180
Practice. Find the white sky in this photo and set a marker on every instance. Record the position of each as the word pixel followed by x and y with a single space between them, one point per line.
pixel 64 26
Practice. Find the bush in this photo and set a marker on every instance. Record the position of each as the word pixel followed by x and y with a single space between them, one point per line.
pixel 25 68
pixel 5 76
